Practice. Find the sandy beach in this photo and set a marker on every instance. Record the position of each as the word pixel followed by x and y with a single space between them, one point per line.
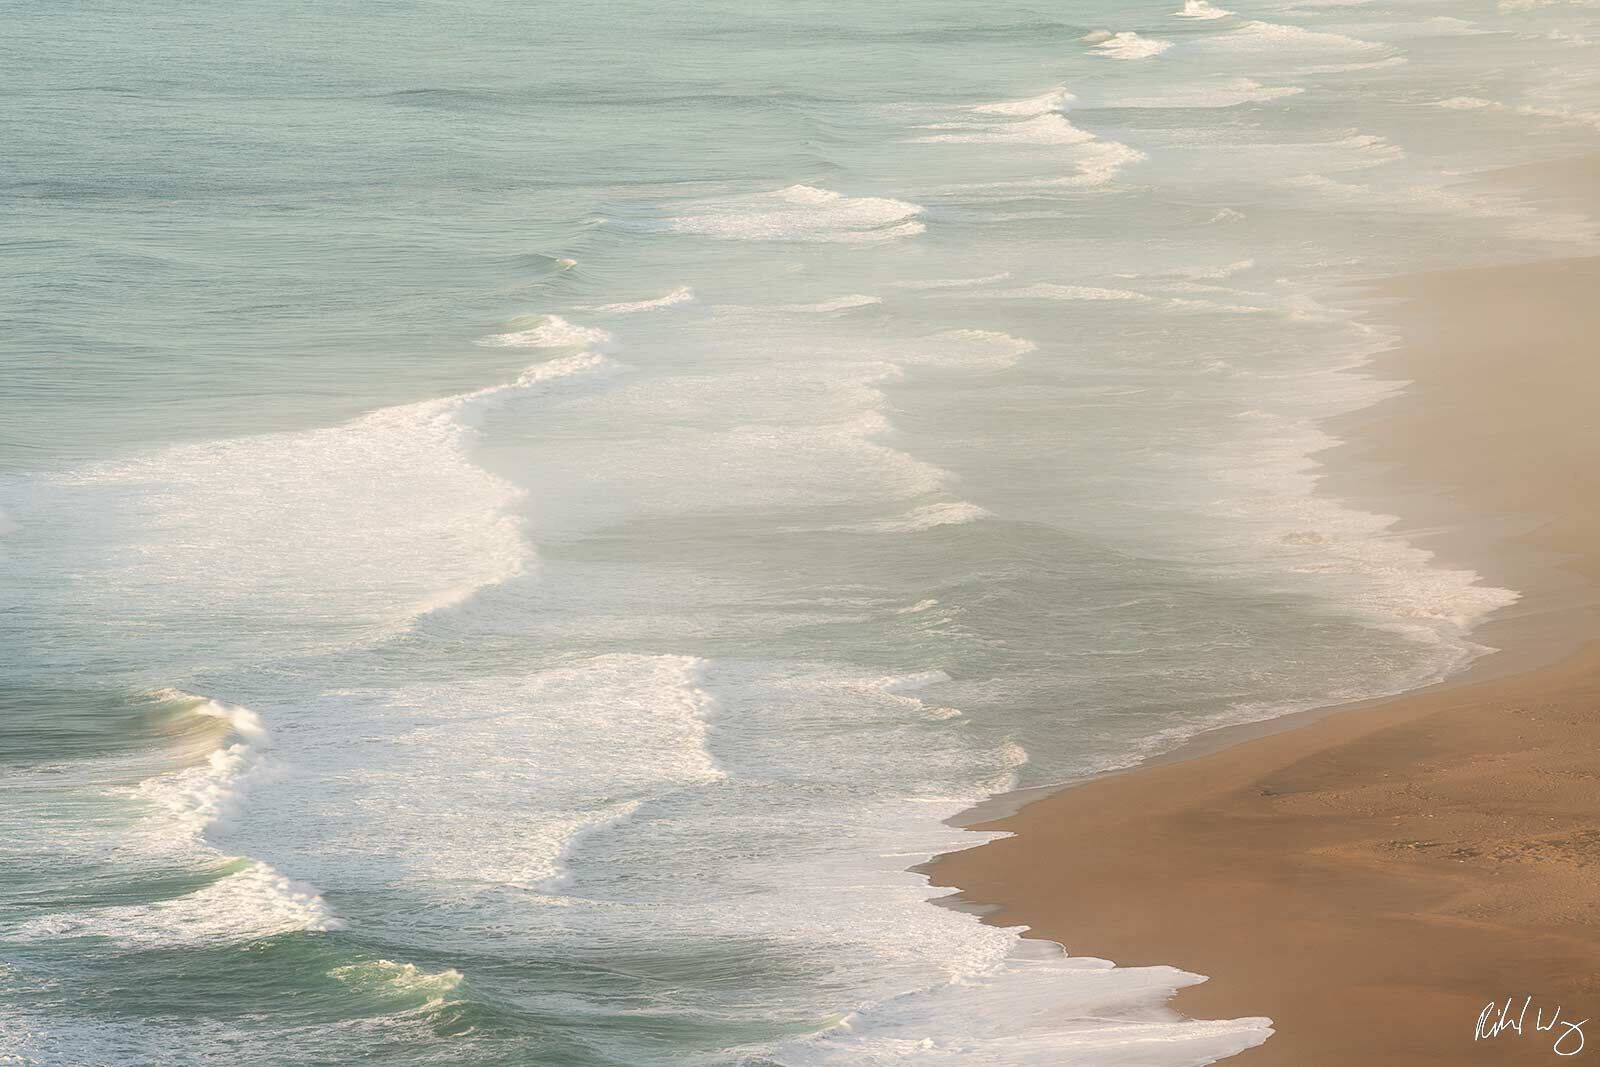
pixel 1371 879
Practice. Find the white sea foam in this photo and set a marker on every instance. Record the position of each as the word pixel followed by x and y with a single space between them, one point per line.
pixel 803 428
pixel 968 348
pixel 474 782
pixel 1046 129
pixel 1269 477
pixel 1101 162
pixel 192 800
pixel 1127 45
pixel 186 808
pixel 1053 291
pixel 1278 37
pixel 1033 121
pixel 1178 303
pixel 681 295
pixel 953 283
pixel 369 523
pixel 401 980
pixel 1406 591
pixel 838 303
pixel 1201 9
pixel 1221 92
pixel 182 814
pixel 1450 25
pixel 1562 114
pixel 249 904
pixel 1033 1008
pixel 1045 103
pixel 959 990
pixel 1227 270
pixel 801 213
pixel 929 516
pixel 570 750
pixel 547 331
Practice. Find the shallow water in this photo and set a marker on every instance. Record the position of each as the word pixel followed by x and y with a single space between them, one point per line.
pixel 517 527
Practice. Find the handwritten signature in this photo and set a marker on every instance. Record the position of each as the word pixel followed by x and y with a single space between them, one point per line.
pixel 1496 1019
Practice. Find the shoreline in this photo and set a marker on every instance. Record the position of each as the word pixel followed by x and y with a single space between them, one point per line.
pixel 1371 874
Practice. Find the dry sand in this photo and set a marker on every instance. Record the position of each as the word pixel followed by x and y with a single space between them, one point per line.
pixel 1372 879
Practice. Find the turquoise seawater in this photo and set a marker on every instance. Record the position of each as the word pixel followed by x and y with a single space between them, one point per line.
pixel 519 523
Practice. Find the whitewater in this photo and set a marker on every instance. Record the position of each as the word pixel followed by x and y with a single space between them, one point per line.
pixel 518 552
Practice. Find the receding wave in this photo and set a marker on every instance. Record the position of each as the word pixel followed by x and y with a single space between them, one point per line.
pixel 1017 1004
pixel 249 903
pixel 580 747
pixel 1274 36
pixel 1126 45
pixel 322 534
pixel 247 899
pixel 1047 129
pixel 1033 121
pixel 802 213
pixel 953 283
pixel 1228 92
pixel 1201 9
pixel 195 799
pixel 838 303
pixel 681 295
pixel 929 516
pixel 1052 100
pixel 406 981
pixel 980 349
pixel 547 331
pixel 1055 291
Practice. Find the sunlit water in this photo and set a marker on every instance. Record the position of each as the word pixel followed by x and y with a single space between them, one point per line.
pixel 520 522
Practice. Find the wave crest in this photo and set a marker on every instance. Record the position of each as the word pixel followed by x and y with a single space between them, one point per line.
pixel 802 213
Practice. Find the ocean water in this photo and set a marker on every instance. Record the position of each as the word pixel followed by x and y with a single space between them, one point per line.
pixel 519 523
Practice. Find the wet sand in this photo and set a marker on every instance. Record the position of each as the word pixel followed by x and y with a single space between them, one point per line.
pixel 1371 879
